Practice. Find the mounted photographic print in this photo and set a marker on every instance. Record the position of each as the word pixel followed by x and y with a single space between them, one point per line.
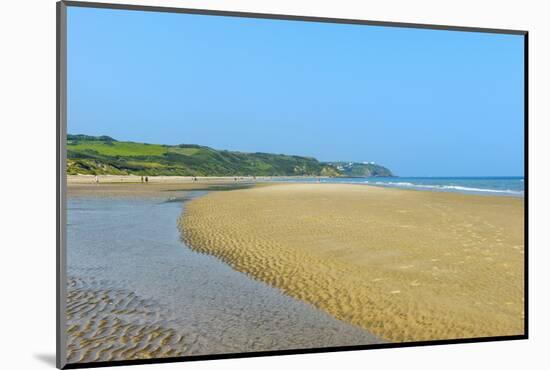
pixel 235 184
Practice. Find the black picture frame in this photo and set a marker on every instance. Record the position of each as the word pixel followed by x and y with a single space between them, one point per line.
pixel 61 187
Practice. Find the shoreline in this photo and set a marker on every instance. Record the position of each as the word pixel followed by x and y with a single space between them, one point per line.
pixel 457 186
pixel 135 179
pixel 132 280
pixel 404 265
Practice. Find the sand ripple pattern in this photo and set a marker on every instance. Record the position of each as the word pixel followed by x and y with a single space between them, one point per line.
pixel 405 265
pixel 136 291
pixel 106 323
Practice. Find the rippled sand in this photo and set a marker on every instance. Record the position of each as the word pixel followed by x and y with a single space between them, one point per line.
pixel 136 291
pixel 105 324
pixel 405 265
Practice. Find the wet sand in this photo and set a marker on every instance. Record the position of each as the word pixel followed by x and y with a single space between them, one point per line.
pixel 134 179
pixel 174 180
pixel 135 290
pixel 161 190
pixel 404 265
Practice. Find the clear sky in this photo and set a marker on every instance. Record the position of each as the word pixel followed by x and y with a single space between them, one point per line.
pixel 421 102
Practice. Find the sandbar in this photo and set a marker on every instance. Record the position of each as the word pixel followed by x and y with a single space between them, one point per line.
pixel 405 265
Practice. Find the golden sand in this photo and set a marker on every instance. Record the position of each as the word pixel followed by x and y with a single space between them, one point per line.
pixel 107 324
pixel 405 265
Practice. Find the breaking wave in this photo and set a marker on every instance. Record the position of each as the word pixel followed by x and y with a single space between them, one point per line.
pixel 445 187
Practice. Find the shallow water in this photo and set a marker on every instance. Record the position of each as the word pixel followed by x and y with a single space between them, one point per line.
pixel 137 291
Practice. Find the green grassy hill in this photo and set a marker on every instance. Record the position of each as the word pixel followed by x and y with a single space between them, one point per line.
pixel 102 155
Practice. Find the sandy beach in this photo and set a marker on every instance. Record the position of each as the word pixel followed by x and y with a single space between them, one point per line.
pixel 135 290
pixel 173 180
pixel 404 265
pixel 158 186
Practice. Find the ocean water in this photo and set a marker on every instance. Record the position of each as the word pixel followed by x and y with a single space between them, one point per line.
pixel 505 186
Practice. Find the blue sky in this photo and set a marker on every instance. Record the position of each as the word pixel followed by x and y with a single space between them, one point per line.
pixel 421 102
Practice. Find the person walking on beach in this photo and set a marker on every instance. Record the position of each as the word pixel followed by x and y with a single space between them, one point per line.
pixel 146 179
pixel 141 178
pixel 96 179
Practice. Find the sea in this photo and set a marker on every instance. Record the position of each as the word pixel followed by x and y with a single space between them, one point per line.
pixel 504 185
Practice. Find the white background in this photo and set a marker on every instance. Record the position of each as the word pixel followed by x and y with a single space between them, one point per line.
pixel 27 181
